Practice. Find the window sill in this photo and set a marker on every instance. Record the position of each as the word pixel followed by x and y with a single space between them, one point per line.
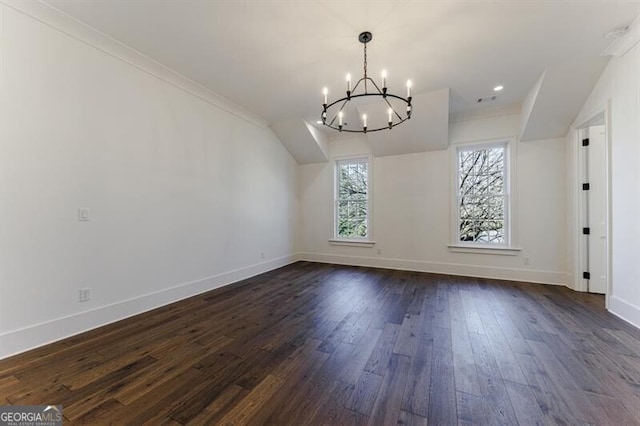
pixel 503 251
pixel 352 243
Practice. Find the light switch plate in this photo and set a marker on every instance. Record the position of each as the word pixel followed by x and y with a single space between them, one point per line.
pixel 83 214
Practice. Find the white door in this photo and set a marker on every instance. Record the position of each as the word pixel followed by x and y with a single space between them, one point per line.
pixel 597 209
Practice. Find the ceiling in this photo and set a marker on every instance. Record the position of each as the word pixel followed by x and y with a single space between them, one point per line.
pixel 273 57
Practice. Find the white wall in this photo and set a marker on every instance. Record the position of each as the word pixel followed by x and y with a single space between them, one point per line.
pixel 411 209
pixel 619 86
pixel 183 195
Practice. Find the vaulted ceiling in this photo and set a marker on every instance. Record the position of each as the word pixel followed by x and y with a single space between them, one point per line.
pixel 274 57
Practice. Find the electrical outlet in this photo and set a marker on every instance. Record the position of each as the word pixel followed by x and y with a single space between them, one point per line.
pixel 84 294
pixel 379 251
pixel 262 255
pixel 525 260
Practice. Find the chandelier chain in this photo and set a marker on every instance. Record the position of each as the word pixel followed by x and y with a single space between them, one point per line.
pixel 365 61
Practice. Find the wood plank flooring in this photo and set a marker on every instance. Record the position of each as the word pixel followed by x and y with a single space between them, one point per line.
pixel 324 344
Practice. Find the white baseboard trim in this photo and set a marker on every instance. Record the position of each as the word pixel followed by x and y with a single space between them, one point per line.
pixel 21 340
pixel 570 282
pixel 625 311
pixel 527 275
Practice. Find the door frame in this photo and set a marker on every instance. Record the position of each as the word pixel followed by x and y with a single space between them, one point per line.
pixel 579 261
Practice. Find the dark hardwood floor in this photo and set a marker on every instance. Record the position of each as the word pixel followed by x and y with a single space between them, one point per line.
pixel 325 344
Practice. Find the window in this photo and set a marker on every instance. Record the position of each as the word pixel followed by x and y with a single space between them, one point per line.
pixel 352 199
pixel 482 197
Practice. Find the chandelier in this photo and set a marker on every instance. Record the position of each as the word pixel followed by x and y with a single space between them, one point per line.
pixel 340 109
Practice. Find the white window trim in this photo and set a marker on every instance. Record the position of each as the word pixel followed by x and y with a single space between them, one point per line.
pixel 353 241
pixel 484 249
pixel 510 246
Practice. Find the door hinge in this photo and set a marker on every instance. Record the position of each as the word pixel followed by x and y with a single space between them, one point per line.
pixel 586 187
pixel 585 142
pixel 586 231
pixel 586 275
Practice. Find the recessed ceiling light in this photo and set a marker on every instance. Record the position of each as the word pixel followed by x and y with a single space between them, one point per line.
pixel 319 122
pixel 498 88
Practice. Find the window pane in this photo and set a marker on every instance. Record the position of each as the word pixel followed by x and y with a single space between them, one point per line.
pixel 477 207
pixel 352 199
pixel 491 231
pixel 343 210
pixel 352 181
pixel 481 195
pixel 361 228
pixel 353 228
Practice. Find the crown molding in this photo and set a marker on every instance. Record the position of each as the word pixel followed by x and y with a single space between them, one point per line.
pixel 54 18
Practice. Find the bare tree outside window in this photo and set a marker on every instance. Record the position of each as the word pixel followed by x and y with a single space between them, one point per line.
pixel 352 199
pixel 482 195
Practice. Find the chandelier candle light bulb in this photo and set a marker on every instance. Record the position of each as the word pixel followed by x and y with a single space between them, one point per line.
pixel 365 88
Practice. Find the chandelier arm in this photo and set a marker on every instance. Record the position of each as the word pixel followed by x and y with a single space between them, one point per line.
pixel 392 108
pixel 365 79
pixel 341 108
pixel 375 85
pixel 406 100
pixel 357 84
